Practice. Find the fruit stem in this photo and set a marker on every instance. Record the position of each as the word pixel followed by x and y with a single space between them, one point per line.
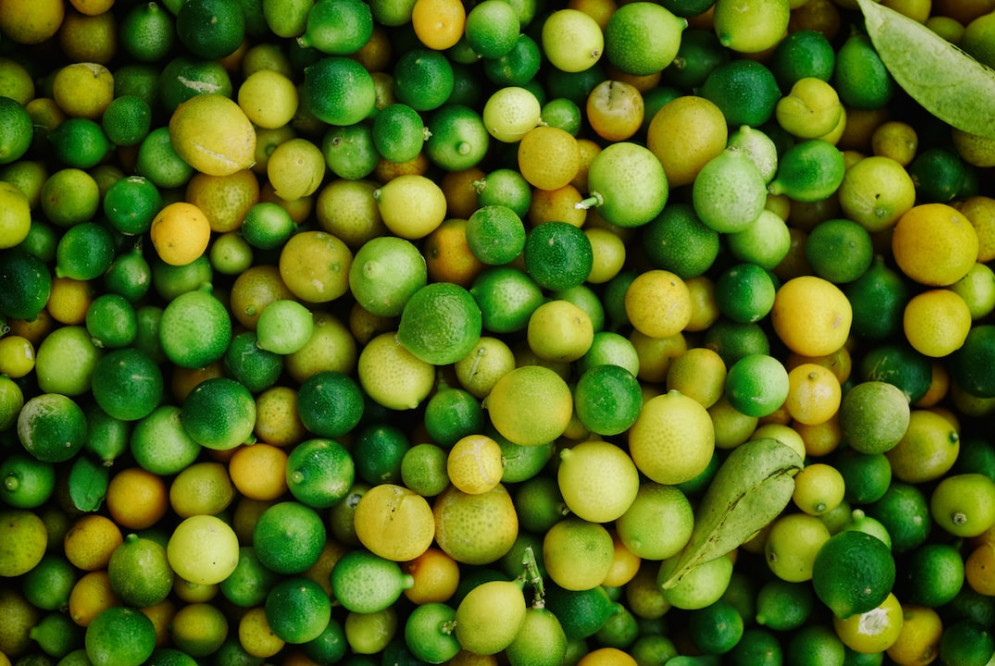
pixel 592 201
pixel 533 577
pixel 958 518
pixel 448 627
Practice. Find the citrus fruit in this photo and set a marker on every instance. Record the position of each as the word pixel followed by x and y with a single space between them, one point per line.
pixel 673 439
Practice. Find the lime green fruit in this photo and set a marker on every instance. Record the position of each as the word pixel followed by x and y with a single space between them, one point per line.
pixel 490 616
pixel 120 636
pixel 729 193
pixel 339 91
pixel 366 583
pixel 853 573
pixel 809 171
pixel 627 184
pixel 440 323
pixel 750 27
pixel 643 38
pixel 52 427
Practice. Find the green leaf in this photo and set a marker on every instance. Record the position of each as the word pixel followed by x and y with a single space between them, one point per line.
pixel 88 483
pixel 942 78
pixel 751 488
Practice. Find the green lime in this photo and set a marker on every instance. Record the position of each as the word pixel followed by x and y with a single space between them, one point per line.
pixel 297 609
pixel 607 399
pixel 26 482
pixel 853 573
pixel 521 462
pixel 745 293
pixel 27 284
pixel 440 323
pixel 729 192
pixel 288 537
pixel 457 138
pixel 860 77
pixel 423 79
pixel 147 33
pixel 962 504
pixel 350 151
pixel 108 436
pixel 627 184
pixel 210 29
pixel 65 360
pixel 219 413
pixel 385 272
pixel 139 80
pixel 733 340
pixel 423 469
pixel 267 226
pixel 866 476
pixel 715 629
pixel 171 281
pixel 900 365
pixel 745 90
pixel 79 143
pixel 320 473
pixel 184 77
pixel 330 403
pixel 815 644
pixel 904 511
pixel 874 416
pixel 367 583
pixel 428 634
pixel 643 39
pixel 49 584
pixel 495 234
pixel 518 66
pixel 330 646
pixel 966 642
pixel 127 384
pixel 451 414
pixel 968 363
pixel 878 298
pixel 338 91
pixel 572 41
pixel 507 297
pixel 932 574
pixel 976 455
pixel 159 162
pixel 757 646
pixel 70 196
pixel 378 451
pixel 131 204
pixel 765 242
pixel 57 635
pixel 338 27
pixel 757 385
pixel 751 27
pixel 195 329
pixel 245 362
pixel 505 187
pixel 938 175
pixel 52 427
pixel 810 170
pixel 17 132
pixel 139 572
pixel 111 321
pixel 399 132
pixel 249 583
pixel 558 255
pixel 120 636
pixel 802 54
pixel 84 252
pixel 839 250
pixel 699 53
pixel 284 327
pixel 160 444
pixel 783 605
pixel 492 28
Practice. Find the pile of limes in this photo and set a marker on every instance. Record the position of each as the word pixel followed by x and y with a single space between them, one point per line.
pixel 415 331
